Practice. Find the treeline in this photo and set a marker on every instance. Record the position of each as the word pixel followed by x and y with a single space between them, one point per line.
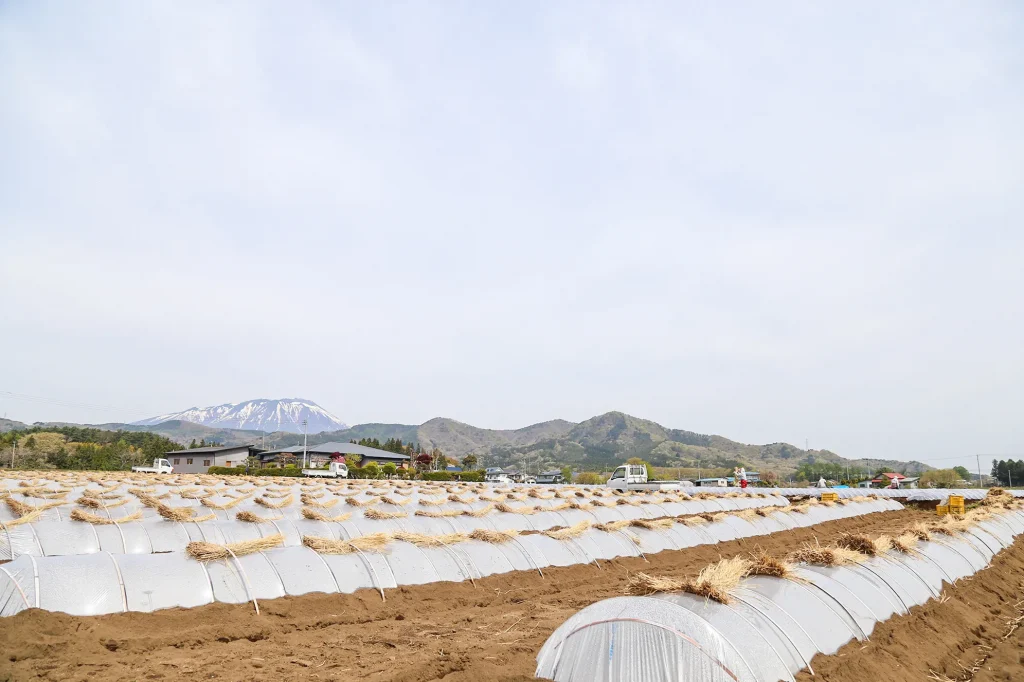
pixel 1009 471
pixel 76 447
pixel 391 445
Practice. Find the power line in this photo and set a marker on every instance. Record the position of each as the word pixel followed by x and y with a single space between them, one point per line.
pixel 66 403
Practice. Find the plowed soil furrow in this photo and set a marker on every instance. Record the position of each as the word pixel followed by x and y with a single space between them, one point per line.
pixel 454 631
pixel 967 635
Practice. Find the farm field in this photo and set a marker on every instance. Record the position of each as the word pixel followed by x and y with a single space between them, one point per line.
pixel 465 625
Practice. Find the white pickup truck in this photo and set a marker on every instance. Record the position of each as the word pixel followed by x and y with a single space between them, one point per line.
pixel 335 470
pixel 160 466
pixel 634 477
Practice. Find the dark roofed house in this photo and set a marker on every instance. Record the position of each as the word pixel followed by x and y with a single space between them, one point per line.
pixel 321 453
pixel 199 460
pixel 553 476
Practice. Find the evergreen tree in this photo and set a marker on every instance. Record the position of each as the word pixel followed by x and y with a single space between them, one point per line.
pixel 192 445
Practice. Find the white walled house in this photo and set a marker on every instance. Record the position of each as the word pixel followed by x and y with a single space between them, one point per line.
pixel 199 460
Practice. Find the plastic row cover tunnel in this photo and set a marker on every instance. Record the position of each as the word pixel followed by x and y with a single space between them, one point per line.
pixel 644 507
pixel 109 583
pixel 772 627
pixel 63 538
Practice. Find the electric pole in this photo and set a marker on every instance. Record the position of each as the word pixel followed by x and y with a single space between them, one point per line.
pixel 304 430
pixel 979 470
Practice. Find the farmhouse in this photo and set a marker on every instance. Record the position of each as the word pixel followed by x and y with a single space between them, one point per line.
pixel 199 460
pixel 322 453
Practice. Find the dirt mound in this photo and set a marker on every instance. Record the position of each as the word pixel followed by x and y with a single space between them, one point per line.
pixel 452 630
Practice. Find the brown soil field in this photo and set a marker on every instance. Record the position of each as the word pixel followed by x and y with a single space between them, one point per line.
pixel 969 635
pixel 466 633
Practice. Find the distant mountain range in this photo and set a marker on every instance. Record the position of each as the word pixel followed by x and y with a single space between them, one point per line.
pixel 600 442
pixel 285 415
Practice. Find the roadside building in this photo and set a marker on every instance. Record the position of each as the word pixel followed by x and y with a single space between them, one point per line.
pixel 554 476
pixel 320 454
pixel 886 479
pixel 199 460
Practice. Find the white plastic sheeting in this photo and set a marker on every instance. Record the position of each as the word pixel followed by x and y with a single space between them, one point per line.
pixel 55 536
pixel 108 582
pixel 773 627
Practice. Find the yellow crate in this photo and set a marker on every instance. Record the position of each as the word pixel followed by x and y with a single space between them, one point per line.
pixel 830 497
pixel 942 509
pixel 956 500
pixel 957 509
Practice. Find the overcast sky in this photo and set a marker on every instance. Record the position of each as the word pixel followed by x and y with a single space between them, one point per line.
pixel 772 222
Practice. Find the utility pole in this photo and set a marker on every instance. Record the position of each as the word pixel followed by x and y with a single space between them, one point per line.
pixel 979 470
pixel 304 430
pixel 698 470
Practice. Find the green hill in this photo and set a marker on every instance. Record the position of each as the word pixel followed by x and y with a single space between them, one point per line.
pixel 599 443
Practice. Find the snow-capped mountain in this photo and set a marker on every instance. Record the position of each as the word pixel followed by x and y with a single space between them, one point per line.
pixel 257 415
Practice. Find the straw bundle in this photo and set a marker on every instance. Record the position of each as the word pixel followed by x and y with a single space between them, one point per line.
pixel 429 540
pixel 381 515
pixel 714 582
pixel 658 524
pixel 642 584
pixel 24 518
pixel 612 526
pixel 762 563
pixel 920 531
pixel 79 515
pixel 19 508
pixel 568 533
pixel 375 542
pixel 432 501
pixel 461 500
pixel 440 513
pixel 147 500
pixel 269 504
pixel 509 509
pixel 537 494
pixel 392 501
pixel 175 513
pixel 277 495
pixel 623 500
pixel 580 505
pixel 826 556
pixel 905 543
pixel 206 502
pixel 97 503
pixel 746 514
pixel 697 520
pixel 495 537
pixel 250 517
pixel 314 515
pixel 360 503
pixel 488 498
pixel 208 551
pixel 858 543
pixel 319 504
pixel 482 511
pixel 194 494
